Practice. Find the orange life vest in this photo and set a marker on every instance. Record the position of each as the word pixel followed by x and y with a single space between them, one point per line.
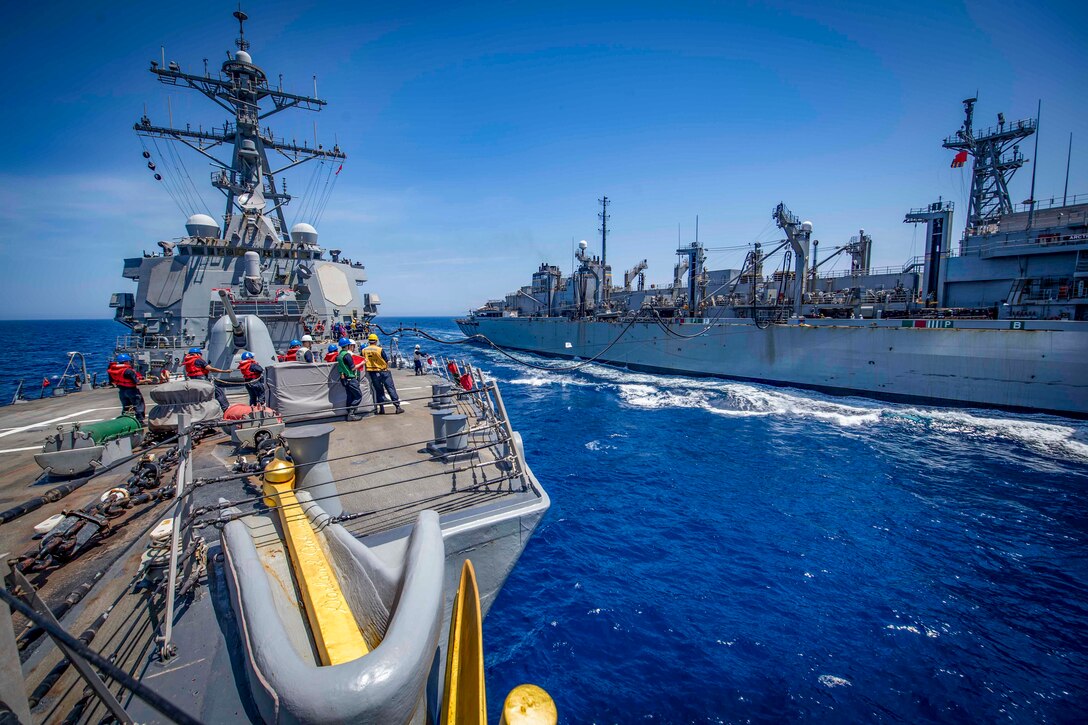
pixel 292 355
pixel 191 370
pixel 117 375
pixel 246 366
pixel 331 356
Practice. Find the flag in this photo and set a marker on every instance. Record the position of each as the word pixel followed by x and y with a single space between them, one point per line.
pixel 960 160
pixel 338 170
pixel 45 382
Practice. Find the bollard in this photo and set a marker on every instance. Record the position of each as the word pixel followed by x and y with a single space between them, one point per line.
pixel 438 420
pixel 309 447
pixel 440 395
pixel 456 432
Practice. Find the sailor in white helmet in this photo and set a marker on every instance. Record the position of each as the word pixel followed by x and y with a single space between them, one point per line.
pixel 418 357
pixel 306 354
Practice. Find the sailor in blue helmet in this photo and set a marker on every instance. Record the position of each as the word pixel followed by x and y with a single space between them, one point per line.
pixel 197 368
pixel 333 353
pixel 349 378
pixel 253 374
pixel 124 376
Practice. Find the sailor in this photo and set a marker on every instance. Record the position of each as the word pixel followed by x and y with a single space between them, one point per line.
pixel 349 378
pixel 418 357
pixel 332 354
pixel 305 354
pixel 125 377
pixel 197 368
pixel 253 374
pixel 377 369
pixel 292 351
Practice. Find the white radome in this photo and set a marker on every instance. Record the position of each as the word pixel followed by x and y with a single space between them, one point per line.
pixel 303 233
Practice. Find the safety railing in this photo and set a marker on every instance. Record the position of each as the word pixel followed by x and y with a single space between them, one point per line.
pixel 291 309
pixel 151 342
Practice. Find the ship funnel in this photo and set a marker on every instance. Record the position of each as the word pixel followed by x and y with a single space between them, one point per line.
pixel 252 278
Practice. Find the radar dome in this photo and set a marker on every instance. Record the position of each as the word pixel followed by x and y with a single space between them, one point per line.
pixel 201 225
pixel 243 57
pixel 303 233
pixel 806 226
pixel 583 244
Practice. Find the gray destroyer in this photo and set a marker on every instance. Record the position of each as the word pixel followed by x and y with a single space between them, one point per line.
pixel 249 258
pixel 999 320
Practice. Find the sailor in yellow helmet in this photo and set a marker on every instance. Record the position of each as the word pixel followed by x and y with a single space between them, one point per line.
pixel 377 369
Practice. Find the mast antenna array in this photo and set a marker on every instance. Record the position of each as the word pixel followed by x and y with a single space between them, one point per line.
pixel 248 180
pixel 996 154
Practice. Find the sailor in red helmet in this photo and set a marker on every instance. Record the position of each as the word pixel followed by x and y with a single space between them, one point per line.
pixel 253 374
pixel 197 368
pixel 125 377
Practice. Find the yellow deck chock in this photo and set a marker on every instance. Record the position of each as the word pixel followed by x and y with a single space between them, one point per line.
pixel 335 631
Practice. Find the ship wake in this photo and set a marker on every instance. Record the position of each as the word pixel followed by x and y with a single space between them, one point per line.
pixel 1045 435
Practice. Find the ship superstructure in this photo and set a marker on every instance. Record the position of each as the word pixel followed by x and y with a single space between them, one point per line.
pixel 281 275
pixel 999 320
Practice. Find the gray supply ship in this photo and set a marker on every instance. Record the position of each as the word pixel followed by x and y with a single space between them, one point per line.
pixel 271 564
pixel 999 320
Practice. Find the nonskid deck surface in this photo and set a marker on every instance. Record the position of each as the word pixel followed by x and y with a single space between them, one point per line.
pixel 384 472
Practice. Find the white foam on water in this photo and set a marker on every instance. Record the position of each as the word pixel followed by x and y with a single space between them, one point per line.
pixel 834 681
pixel 739 400
pixel 598 446
pixel 1049 438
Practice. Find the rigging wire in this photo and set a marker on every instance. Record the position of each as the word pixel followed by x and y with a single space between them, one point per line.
pixel 198 197
pixel 145 693
pixel 497 348
pixel 307 196
pixel 162 171
pixel 170 176
pixel 326 193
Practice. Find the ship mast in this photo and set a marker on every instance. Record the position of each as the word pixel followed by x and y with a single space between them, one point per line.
pixel 993 165
pixel 248 181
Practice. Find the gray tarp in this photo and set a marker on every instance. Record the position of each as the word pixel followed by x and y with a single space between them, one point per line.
pixel 303 391
pixel 181 396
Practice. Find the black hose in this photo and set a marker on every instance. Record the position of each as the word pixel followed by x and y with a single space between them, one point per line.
pixel 145 693
pixel 53 494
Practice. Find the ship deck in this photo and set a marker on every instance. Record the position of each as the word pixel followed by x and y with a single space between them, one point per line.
pixel 385 476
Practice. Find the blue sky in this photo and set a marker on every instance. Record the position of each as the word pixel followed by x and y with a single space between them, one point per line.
pixel 480 136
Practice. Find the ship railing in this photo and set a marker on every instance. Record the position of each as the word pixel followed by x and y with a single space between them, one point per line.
pixel 900 269
pixel 182 539
pixel 1043 241
pixel 1052 203
pixel 482 400
pixel 292 309
pixel 150 342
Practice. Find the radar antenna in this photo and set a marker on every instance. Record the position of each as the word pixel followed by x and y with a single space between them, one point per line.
pixel 242 43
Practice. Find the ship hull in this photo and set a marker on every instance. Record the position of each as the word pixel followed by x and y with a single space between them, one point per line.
pixel 1029 366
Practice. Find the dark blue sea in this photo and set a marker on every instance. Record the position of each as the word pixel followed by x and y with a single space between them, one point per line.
pixel 727 552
